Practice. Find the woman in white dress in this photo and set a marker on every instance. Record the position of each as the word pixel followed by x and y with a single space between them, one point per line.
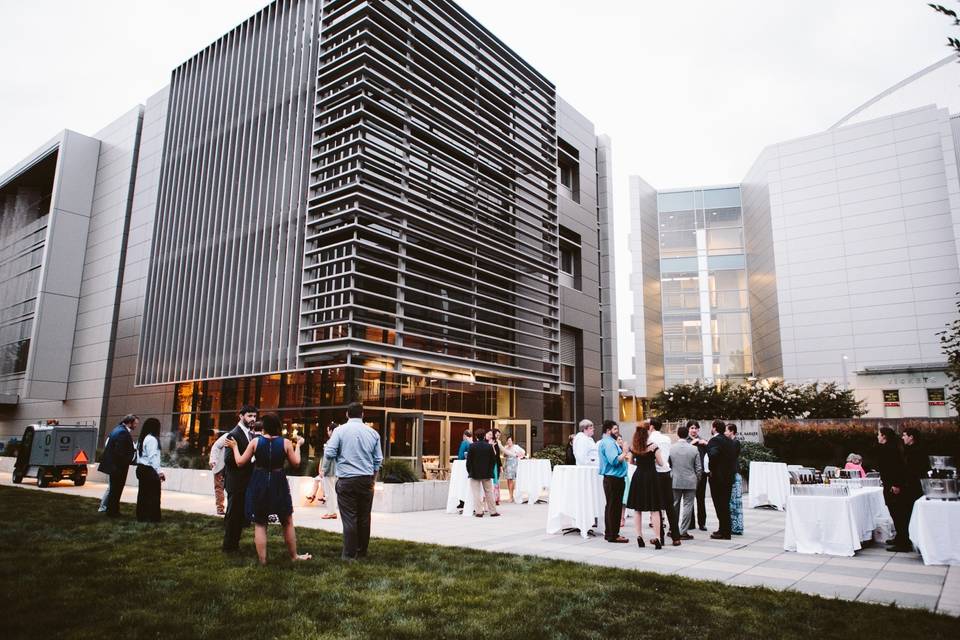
pixel 513 454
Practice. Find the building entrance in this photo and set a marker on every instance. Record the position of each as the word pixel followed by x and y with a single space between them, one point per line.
pixel 429 442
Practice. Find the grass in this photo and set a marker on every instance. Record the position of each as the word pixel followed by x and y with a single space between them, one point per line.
pixel 65 571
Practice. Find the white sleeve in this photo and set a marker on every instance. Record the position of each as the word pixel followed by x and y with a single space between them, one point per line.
pixel 151 452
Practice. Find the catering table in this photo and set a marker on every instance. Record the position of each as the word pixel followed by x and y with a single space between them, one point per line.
pixel 832 525
pixel 533 477
pixel 769 484
pixel 935 530
pixel 576 499
pixel 459 489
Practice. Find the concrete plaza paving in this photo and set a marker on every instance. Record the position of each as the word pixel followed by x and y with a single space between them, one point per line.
pixel 755 559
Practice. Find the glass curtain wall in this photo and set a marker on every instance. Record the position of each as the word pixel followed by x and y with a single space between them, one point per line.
pixel 706 313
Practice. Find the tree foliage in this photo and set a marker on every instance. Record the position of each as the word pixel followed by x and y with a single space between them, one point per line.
pixel 950 344
pixel 756 401
pixel 953 43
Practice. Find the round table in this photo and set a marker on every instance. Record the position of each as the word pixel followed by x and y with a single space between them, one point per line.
pixel 459 489
pixel 933 530
pixel 769 485
pixel 576 499
pixel 533 478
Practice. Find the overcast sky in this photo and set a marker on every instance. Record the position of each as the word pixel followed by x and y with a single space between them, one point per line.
pixel 689 92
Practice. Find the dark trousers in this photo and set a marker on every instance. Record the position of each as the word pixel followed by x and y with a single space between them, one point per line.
pixel 613 492
pixel 665 487
pixel 700 514
pixel 235 519
pixel 118 480
pixel 901 508
pixel 720 489
pixel 148 494
pixel 355 498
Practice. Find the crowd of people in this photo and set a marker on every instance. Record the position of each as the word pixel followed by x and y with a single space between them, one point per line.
pixel 667 485
pixel 669 479
pixel 486 455
pixel 248 465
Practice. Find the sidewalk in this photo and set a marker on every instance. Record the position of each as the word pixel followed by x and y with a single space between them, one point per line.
pixel 755 559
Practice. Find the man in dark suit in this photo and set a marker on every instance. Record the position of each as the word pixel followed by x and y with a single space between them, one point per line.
pixel 117 457
pixel 236 479
pixel 721 461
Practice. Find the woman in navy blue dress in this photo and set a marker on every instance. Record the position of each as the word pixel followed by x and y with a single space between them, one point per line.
pixel 268 492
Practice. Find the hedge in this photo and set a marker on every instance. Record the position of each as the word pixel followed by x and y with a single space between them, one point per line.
pixel 828 443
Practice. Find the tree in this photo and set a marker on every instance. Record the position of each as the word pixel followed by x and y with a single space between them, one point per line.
pixel 953 43
pixel 950 344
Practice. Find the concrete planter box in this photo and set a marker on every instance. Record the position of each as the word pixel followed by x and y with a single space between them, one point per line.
pixel 387 498
pixel 427 495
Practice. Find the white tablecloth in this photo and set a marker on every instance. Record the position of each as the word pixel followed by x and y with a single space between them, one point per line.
pixel 769 484
pixel 533 477
pixel 935 530
pixel 459 489
pixel 832 525
pixel 576 499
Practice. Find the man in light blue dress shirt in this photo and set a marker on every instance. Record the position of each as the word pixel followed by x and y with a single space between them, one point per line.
pixel 613 468
pixel 356 448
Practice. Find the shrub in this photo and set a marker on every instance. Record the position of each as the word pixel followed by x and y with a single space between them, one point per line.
pixel 554 453
pixel 819 444
pixel 755 401
pixel 397 471
pixel 750 451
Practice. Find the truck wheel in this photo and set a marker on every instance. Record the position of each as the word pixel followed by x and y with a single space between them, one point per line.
pixel 42 480
pixel 17 476
pixel 79 479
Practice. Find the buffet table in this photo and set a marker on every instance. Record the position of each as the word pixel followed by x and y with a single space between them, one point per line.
pixel 769 485
pixel 533 478
pixel 832 525
pixel 935 530
pixel 576 499
pixel 459 489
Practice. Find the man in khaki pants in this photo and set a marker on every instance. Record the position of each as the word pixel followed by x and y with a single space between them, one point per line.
pixel 480 461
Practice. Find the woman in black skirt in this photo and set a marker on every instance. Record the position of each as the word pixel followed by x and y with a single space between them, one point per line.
pixel 149 475
pixel 644 494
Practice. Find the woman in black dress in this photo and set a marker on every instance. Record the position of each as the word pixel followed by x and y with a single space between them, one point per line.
pixel 268 492
pixel 893 475
pixel 644 494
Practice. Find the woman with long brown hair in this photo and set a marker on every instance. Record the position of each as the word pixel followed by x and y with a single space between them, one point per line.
pixel 643 495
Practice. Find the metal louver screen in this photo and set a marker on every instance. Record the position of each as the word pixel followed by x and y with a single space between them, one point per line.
pixel 568 346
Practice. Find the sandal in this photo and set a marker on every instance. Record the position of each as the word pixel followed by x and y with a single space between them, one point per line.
pixel 300 557
pixel 310 499
pixel 328 516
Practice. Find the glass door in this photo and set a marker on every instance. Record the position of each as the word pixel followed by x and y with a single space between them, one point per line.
pixel 434 441
pixel 519 430
pixel 455 429
pixel 404 439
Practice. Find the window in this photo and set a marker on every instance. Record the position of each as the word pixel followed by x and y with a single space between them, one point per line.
pixel 570 270
pixel 891 403
pixel 937 403
pixel 568 170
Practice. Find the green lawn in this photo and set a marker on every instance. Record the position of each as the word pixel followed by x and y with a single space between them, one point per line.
pixel 65 571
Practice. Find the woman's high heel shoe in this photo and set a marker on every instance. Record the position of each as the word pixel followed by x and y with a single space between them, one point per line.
pixel 656 544
pixel 640 543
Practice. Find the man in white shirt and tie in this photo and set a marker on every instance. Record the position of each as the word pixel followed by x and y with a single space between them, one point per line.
pixel 664 479
pixel 584 446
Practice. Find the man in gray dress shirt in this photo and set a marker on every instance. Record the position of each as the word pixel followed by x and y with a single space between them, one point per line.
pixel 686 469
pixel 356 448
